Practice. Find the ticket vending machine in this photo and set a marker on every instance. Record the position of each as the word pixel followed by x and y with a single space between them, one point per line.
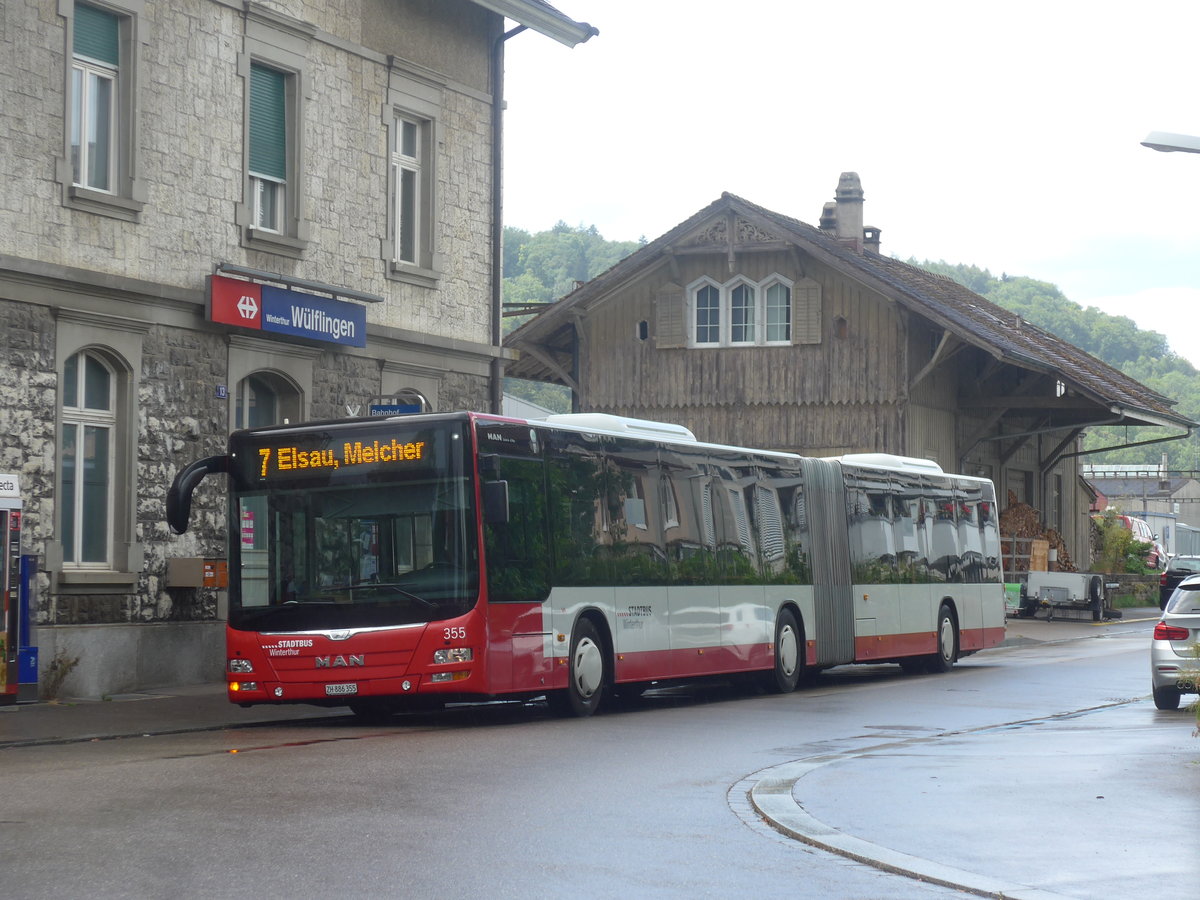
pixel 10 585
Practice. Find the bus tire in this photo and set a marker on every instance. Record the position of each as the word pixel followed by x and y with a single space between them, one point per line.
pixel 789 655
pixel 587 673
pixel 947 642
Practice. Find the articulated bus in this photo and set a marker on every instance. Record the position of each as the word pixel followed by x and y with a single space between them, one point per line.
pixel 409 561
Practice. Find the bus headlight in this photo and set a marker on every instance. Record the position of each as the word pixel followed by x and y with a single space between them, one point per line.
pixel 236 686
pixel 453 655
pixel 240 666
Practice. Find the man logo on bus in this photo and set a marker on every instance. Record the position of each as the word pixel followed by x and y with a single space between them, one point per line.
pixel 339 662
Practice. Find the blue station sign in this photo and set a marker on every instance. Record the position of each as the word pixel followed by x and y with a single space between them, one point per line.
pixel 263 307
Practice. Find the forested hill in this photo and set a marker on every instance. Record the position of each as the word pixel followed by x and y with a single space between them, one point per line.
pixel 540 267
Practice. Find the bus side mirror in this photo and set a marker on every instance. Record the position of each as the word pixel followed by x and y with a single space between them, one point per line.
pixel 495 503
pixel 179 496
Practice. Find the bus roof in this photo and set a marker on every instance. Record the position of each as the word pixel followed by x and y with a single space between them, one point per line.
pixel 891 461
pixel 622 425
pixel 606 423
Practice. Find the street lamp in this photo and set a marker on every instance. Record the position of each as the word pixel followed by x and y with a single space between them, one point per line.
pixel 1166 142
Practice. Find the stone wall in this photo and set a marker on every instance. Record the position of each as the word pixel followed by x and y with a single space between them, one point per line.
pixel 191 141
pixel 144 279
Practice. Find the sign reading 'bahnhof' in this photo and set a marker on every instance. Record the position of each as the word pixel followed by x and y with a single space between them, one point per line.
pixel 264 307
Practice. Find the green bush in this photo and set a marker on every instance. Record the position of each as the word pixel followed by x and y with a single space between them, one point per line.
pixel 1116 550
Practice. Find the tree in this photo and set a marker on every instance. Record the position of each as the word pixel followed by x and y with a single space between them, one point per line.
pixel 543 267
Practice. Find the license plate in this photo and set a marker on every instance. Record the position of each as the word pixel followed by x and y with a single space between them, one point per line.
pixel 338 690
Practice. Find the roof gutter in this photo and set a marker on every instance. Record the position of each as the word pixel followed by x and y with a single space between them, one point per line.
pixel 497 378
pixel 1188 427
pixel 542 18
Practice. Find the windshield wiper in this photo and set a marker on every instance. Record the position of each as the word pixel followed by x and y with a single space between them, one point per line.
pixel 395 589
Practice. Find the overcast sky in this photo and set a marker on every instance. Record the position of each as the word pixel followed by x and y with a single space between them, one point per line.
pixel 1005 136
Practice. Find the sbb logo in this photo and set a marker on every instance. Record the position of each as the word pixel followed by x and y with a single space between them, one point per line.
pixel 236 302
pixel 247 307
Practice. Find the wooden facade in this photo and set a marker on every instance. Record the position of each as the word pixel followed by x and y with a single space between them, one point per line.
pixel 879 356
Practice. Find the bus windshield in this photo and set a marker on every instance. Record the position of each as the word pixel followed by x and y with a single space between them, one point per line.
pixel 360 537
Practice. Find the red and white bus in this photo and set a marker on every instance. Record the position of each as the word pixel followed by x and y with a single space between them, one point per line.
pixel 388 563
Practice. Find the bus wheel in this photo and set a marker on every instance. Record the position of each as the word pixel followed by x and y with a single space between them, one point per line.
pixel 789 663
pixel 947 642
pixel 588 677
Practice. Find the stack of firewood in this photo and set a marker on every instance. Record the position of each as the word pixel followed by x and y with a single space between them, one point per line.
pixel 1020 520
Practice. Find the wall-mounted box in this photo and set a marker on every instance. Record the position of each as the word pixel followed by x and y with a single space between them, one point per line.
pixel 196 571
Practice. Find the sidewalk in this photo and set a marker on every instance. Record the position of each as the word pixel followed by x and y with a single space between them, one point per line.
pixel 198 707
pixel 1088 783
pixel 204 707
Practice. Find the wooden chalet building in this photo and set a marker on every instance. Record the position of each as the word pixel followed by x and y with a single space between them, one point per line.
pixel 756 329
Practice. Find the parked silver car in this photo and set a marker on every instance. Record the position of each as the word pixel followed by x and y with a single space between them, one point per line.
pixel 1175 650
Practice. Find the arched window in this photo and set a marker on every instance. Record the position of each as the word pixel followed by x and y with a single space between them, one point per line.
pixel 263 398
pixel 89 420
pixel 778 313
pixel 266 398
pixel 708 315
pixel 740 312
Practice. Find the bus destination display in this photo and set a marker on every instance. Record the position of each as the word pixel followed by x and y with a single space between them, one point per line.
pixel 290 459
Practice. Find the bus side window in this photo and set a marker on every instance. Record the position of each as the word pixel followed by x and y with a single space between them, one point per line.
pixel 576 487
pixel 518 551
pixel 634 538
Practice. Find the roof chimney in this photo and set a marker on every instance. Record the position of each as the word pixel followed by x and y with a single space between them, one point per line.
pixel 849 200
pixel 829 217
pixel 871 238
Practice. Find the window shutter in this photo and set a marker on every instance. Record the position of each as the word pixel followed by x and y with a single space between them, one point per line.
pixel 670 328
pixel 806 312
pixel 97 35
pixel 268 123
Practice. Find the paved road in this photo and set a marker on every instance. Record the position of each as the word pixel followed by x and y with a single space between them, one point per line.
pixel 1036 770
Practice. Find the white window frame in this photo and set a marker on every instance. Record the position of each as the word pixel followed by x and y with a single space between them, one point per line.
pixel 735 289
pixel 418 101
pixel 268 216
pixel 789 286
pixel 271 44
pixel 127 191
pixel 82 417
pixel 693 296
pixel 727 292
pixel 85 115
pixel 407 216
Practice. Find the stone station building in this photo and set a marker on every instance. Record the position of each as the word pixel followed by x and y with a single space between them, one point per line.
pixel 217 214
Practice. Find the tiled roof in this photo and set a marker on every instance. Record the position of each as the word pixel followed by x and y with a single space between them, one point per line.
pixel 962 312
